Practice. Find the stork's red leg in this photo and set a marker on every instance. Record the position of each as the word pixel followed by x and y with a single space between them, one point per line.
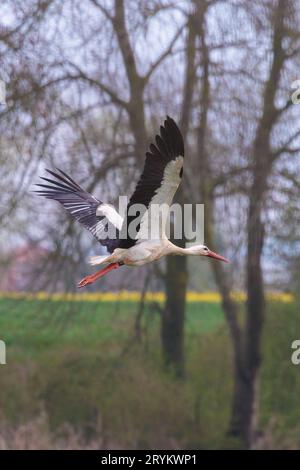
pixel 93 277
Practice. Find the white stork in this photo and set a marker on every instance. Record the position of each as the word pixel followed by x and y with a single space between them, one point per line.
pixel 157 185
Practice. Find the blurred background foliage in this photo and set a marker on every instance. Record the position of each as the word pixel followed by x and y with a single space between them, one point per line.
pixel 87 85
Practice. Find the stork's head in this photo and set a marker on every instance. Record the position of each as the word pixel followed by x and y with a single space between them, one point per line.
pixel 203 250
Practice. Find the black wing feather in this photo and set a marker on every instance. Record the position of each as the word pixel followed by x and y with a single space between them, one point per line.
pixel 79 203
pixel 169 145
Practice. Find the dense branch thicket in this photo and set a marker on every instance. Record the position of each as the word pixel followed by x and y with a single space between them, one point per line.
pixel 87 85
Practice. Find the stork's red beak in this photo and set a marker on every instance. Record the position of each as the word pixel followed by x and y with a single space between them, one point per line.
pixel 211 254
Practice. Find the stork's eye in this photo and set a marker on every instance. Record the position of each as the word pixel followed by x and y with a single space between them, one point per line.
pixel 205 248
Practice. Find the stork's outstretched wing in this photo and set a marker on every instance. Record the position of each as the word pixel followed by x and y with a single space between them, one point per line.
pixel 102 220
pixel 158 183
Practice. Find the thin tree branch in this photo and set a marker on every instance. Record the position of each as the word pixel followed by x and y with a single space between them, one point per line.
pixel 164 55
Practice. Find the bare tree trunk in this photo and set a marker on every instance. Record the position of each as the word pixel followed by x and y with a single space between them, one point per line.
pixel 135 108
pixel 172 324
pixel 247 343
pixel 246 378
pixel 229 307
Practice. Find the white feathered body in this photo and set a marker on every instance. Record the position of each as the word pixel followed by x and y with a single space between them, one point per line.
pixel 142 253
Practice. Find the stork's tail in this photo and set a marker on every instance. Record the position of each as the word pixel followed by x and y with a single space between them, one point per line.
pixel 94 260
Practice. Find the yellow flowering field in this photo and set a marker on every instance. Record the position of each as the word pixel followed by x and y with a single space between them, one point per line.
pixel 134 296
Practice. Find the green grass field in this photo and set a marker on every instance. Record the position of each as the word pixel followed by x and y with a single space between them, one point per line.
pixel 76 376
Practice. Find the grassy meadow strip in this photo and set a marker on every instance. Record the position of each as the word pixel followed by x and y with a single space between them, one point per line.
pixel 75 376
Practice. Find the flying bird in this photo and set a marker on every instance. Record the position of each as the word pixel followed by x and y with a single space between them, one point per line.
pixel 157 185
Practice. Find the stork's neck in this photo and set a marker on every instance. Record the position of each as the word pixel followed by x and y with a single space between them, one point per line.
pixel 177 250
